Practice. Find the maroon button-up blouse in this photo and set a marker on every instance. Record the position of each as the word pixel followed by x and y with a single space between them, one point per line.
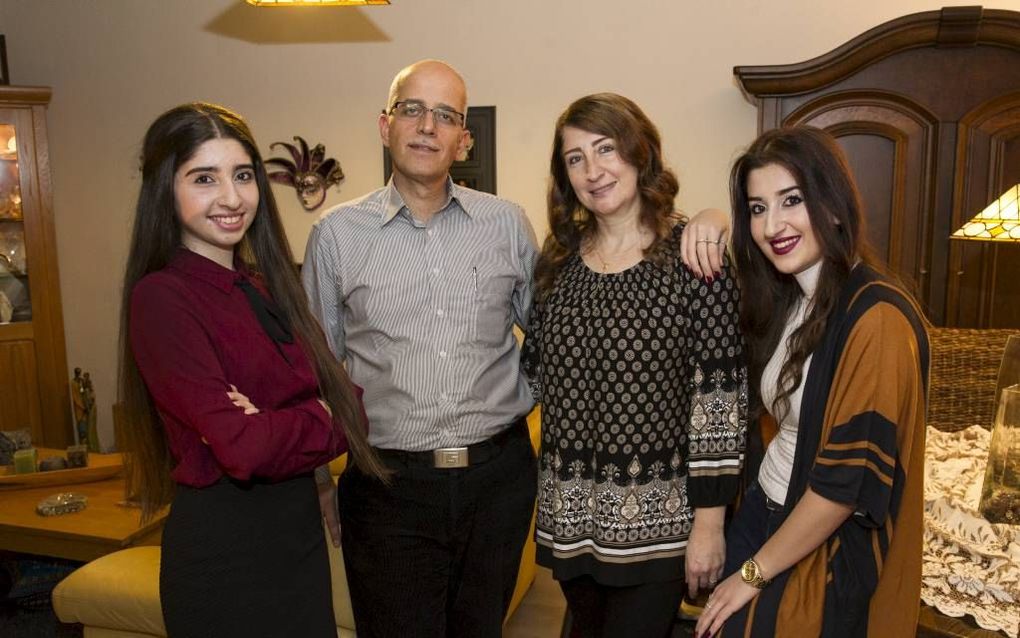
pixel 194 334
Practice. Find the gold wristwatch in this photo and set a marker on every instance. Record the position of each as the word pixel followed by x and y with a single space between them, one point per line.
pixel 751 573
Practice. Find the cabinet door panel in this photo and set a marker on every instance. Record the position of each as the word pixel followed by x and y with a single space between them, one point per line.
pixel 873 161
pixel 19 389
pixel 889 144
pixel 983 290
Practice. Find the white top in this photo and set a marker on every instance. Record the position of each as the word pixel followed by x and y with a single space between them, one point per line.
pixel 777 466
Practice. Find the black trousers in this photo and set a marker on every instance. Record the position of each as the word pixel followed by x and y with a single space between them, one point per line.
pixel 436 553
pixel 601 611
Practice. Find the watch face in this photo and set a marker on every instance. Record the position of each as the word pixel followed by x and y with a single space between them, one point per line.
pixel 748 571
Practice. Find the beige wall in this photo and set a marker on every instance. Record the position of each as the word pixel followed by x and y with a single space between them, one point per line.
pixel 323 74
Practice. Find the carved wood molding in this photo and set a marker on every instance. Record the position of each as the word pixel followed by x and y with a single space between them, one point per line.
pixel 949 27
pixel 875 98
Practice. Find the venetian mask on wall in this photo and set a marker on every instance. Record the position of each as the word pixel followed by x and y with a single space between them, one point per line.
pixel 309 172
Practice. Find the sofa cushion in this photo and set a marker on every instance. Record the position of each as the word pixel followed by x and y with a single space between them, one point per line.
pixel 117 591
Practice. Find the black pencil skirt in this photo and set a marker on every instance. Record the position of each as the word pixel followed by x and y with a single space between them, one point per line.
pixel 246 559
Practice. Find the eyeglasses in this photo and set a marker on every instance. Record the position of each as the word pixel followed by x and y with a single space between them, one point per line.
pixel 408 110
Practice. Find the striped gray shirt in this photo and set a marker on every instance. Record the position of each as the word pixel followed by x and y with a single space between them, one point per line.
pixel 423 314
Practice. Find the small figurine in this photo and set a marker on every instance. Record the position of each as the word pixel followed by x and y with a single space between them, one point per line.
pixel 90 407
pixel 83 397
pixel 81 425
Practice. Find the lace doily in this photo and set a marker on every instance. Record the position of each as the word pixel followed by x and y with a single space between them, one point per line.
pixel 970 565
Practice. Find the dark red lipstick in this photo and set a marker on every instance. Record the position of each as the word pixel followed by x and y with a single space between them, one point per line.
pixel 784 245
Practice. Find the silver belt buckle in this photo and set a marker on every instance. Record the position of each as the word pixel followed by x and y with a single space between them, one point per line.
pixel 449 457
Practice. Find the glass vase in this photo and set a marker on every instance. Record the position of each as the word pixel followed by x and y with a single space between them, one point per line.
pixel 1000 495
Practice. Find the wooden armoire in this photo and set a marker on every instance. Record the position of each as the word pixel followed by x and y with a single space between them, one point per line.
pixel 927 107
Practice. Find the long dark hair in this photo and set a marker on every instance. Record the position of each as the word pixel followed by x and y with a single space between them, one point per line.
pixel 170 142
pixel 817 163
pixel 639 144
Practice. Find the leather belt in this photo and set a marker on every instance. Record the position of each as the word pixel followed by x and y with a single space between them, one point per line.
pixel 771 505
pixel 458 457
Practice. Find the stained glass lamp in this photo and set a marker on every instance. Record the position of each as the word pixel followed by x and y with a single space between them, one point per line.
pixel 315 3
pixel 1000 221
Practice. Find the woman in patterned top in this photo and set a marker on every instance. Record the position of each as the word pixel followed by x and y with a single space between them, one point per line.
pixel 638 366
pixel 827 541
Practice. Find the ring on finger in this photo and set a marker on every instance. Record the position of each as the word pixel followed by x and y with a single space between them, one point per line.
pixel 708 605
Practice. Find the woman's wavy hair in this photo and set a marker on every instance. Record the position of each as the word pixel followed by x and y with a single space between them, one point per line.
pixel 170 142
pixel 638 143
pixel 817 163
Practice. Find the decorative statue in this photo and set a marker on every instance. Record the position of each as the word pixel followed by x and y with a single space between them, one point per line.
pixel 84 398
pixel 310 173
pixel 81 423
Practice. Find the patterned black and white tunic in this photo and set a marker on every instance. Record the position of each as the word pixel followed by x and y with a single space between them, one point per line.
pixel 644 401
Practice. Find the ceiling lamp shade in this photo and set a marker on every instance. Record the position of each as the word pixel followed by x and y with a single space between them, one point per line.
pixel 1000 221
pixel 315 3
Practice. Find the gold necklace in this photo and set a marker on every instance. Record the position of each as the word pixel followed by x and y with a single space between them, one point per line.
pixel 602 260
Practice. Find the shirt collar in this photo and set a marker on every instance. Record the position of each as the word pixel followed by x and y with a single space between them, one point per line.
pixel 394 201
pixel 195 265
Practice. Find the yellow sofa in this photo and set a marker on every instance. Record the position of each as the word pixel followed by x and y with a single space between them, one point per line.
pixel 117 596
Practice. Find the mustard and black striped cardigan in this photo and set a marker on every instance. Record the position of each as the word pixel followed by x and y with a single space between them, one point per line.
pixel 860 442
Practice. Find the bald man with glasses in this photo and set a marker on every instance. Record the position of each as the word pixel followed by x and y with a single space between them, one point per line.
pixel 418 286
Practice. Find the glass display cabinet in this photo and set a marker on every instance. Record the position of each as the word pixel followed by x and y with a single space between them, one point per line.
pixel 33 360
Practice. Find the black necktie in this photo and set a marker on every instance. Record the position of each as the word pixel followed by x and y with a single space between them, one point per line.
pixel 268 314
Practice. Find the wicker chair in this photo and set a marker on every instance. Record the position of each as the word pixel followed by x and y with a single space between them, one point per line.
pixel 964 372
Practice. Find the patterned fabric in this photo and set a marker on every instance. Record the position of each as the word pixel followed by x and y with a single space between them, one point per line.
pixel 860 442
pixel 423 313
pixel 971 566
pixel 644 395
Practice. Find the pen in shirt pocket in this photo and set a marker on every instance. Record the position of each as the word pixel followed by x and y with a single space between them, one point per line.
pixel 474 277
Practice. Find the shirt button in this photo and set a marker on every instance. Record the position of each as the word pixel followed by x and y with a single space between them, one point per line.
pixel 435 271
pixel 442 353
pixel 444 396
pixel 429 232
pixel 440 312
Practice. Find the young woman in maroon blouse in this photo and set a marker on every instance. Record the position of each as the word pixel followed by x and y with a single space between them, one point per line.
pixel 232 395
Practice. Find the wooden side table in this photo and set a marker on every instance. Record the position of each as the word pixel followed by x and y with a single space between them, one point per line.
pixel 104 526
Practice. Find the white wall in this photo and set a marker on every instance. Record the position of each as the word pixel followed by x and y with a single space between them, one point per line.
pixel 323 74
